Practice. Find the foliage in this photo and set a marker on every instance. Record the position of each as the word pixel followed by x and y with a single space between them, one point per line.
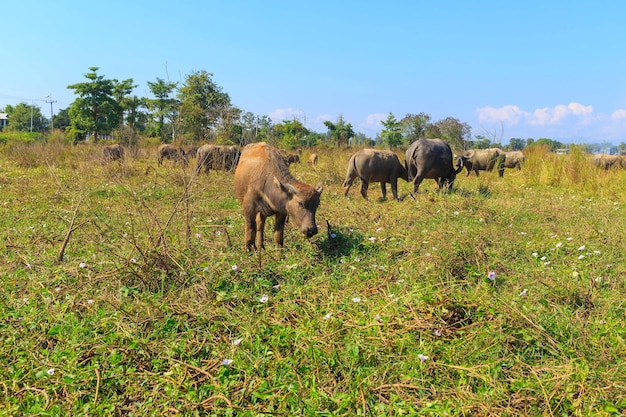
pixel 504 297
pixel 340 131
pixel 391 134
pixel 202 104
pixel 414 126
pixel 96 110
pixel 25 118
pixel 163 106
pixel 455 132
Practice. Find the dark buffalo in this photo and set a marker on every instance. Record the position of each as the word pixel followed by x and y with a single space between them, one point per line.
pixel 431 158
pixel 192 152
pixel 113 152
pixel 217 157
pixel 266 188
pixel 373 165
pixel 292 158
pixel 484 160
pixel 171 152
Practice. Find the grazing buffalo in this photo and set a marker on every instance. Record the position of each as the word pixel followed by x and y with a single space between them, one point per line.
pixel 431 158
pixel 171 152
pixel 266 188
pixel 192 152
pixel 484 160
pixel 605 161
pixel 514 159
pixel 292 158
pixel 113 152
pixel 217 157
pixel 373 165
pixel 313 159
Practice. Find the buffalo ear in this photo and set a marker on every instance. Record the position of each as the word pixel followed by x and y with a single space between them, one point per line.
pixel 286 187
pixel 319 188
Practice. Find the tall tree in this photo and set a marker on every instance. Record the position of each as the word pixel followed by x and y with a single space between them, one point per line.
pixel 121 93
pixel 95 110
pixel 414 126
pixel 203 103
pixel 163 106
pixel 391 135
pixel 456 133
pixel 341 132
pixel 517 144
pixel 25 118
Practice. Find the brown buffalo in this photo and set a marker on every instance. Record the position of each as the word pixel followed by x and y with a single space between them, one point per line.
pixel 431 158
pixel 313 159
pixel 605 161
pixel 113 152
pixel 484 160
pixel 217 157
pixel 192 152
pixel 514 159
pixel 373 165
pixel 171 152
pixel 266 188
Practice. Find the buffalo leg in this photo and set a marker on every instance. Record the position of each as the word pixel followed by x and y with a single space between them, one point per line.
pixel 279 229
pixel 364 185
pixel 250 230
pixel 347 184
pixel 394 188
pixel 416 183
pixel 383 189
pixel 260 225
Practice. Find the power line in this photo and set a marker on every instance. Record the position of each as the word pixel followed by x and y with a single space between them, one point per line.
pixel 51 112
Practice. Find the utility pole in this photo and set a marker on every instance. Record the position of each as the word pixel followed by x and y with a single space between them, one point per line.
pixel 32 104
pixel 51 111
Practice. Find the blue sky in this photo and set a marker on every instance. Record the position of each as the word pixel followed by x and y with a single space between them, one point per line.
pixel 553 69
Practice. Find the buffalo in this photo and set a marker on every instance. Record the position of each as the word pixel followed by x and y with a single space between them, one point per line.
pixel 373 165
pixel 217 157
pixel 113 152
pixel 292 158
pixel 313 159
pixel 431 158
pixel 605 161
pixel 171 152
pixel 484 160
pixel 266 188
pixel 514 159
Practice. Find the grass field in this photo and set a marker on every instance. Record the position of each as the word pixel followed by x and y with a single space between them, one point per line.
pixel 125 291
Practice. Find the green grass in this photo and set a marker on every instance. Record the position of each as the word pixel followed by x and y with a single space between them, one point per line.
pixel 154 292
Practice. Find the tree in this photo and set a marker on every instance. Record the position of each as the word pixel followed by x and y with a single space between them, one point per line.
pixel 164 107
pixel 341 132
pixel 391 135
pixel 96 110
pixel 481 142
pixel 25 118
pixel 290 133
pixel 454 132
pixel 414 126
pixel 203 103
pixel 553 145
pixel 517 144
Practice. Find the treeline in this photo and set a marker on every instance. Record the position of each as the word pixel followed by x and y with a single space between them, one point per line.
pixel 198 111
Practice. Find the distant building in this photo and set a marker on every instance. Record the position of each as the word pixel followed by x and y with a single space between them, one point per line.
pixel 4 120
pixel 561 151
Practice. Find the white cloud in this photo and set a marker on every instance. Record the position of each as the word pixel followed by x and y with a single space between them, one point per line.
pixel 619 115
pixel 509 115
pixel 372 122
pixel 279 115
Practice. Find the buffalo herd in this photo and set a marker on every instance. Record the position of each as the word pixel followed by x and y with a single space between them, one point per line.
pixel 265 186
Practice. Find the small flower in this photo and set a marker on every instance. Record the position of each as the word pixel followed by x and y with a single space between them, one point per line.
pixel 581 257
pixel 437 332
pixel 89 301
pixel 535 254
pixel 543 258
pixel 205 269
pixel 218 233
pixel 422 358
pixel 582 247
pixel 133 260
pixel 558 245
pixel 356 300
pixel 456 213
pixel 378 318
pixel 82 265
pixel 491 276
pixel 234 267
pixel 50 371
pixel 264 298
pixel 327 316
pixel 597 279
pixel 276 287
pixel 227 362
pixel 372 239
pixel 333 235
pixel 198 235
pixel 236 342
pixel 524 292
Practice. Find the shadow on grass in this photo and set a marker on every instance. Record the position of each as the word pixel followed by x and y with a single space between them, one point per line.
pixel 339 242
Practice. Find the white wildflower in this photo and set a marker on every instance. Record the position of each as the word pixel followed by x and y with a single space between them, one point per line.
pixel 356 300
pixel 234 267
pixel 327 316
pixel 227 362
pixel 582 247
pixel 236 342
pixel 264 298
pixel 82 265
pixel 50 371
pixel 422 358
pixel 524 292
